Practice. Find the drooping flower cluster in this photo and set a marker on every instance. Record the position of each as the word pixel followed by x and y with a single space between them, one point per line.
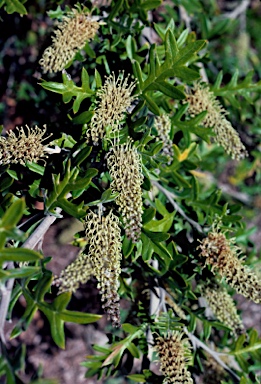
pixel 222 306
pixel 124 164
pixel 104 238
pixel 201 99
pixel 222 255
pixel 115 98
pixel 163 126
pixel 22 148
pixel 102 261
pixel 72 33
pixel 76 273
pixel 174 355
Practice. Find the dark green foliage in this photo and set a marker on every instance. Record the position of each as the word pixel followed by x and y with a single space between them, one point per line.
pixel 182 197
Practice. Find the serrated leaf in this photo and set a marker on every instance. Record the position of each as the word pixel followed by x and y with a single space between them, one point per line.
pixel 162 225
pixel 69 90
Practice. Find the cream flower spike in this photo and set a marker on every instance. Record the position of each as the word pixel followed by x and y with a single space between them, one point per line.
pixel 222 255
pixel 174 355
pixel 72 33
pixel 115 97
pixel 201 99
pixel 124 164
pixel 222 305
pixel 23 147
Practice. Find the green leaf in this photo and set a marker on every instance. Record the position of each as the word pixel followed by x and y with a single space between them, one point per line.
pixel 150 4
pixel 79 317
pixel 115 10
pixel 83 118
pixel 15 6
pixel 5 183
pixel 82 155
pixel 174 65
pixel 70 208
pixel 19 273
pixel 127 247
pixel 148 215
pixel 157 237
pixel 98 79
pixel 133 350
pixel 19 254
pixel 70 183
pixel 139 378
pixel 35 168
pixel 13 214
pixel 69 90
pixel 162 225
pixel 236 89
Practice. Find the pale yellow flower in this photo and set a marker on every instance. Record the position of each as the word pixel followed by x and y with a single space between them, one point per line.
pixel 201 99
pixel 72 33
pixel 124 163
pixel 103 238
pixel 222 306
pixel 174 355
pixel 222 255
pixel 114 100
pixel 20 147
pixel 163 126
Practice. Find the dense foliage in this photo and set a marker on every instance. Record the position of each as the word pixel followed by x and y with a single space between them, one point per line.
pixel 146 106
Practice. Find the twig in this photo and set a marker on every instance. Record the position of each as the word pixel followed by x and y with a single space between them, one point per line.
pixel 241 8
pixel 185 17
pixel 198 343
pixel 170 196
pixel 156 302
pixel 6 290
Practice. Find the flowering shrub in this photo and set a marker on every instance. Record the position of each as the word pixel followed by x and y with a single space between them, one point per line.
pixel 149 122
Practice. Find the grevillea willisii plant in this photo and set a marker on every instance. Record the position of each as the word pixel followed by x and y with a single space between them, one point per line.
pixel 132 129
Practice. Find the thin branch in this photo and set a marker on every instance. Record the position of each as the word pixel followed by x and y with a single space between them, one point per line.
pixel 6 290
pixel 199 344
pixel 157 301
pixel 170 196
pixel 185 17
pixel 241 8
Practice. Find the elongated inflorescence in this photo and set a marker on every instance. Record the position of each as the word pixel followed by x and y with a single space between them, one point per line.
pixel 222 255
pixel 102 260
pixel 114 100
pixel 124 163
pixel 163 126
pixel 72 33
pixel 76 273
pixel 222 306
pixel 104 238
pixel 174 355
pixel 19 147
pixel 201 99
